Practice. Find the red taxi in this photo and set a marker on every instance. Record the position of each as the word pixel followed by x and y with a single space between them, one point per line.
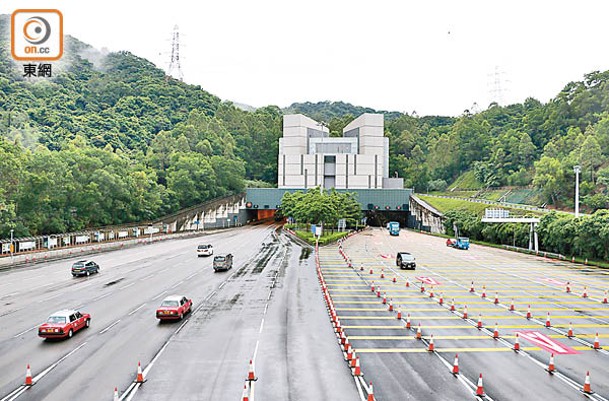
pixel 64 324
pixel 174 307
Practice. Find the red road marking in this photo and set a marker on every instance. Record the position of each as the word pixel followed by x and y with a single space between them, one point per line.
pixel 386 256
pixel 427 280
pixel 546 343
pixel 553 281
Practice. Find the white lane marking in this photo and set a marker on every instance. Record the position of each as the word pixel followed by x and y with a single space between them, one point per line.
pixel 109 327
pixel 181 326
pixel 134 387
pixel 15 394
pixel 49 298
pixel 8 295
pixel 176 284
pixel 161 271
pixel 221 285
pixel 160 295
pixel 255 351
pixel 102 297
pixel 147 277
pixel 31 278
pixel 25 331
pixel 126 286
pixel 358 386
pixel 136 309
pixel 191 276
pixel 261 326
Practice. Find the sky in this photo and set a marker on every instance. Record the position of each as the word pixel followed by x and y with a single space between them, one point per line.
pixel 432 57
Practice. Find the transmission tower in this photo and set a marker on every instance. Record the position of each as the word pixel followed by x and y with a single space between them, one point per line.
pixel 496 86
pixel 175 69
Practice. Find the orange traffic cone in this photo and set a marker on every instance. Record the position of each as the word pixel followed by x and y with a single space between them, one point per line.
pixel 496 298
pixel 441 300
pixel 372 286
pixel 483 291
pixel 471 289
pixel 370 393
pixel 570 332
pixel 456 365
pixel 496 332
pixel 371 271
pixel 378 291
pixel 361 267
pixel 585 293
pixel 28 376
pixel 245 396
pixel 551 368
pixel 479 321
pixel 422 288
pixel 140 376
pixel 399 317
pixel 390 305
pixel 431 292
pixel 407 282
pixel 430 347
pixel 251 376
pixel 419 331
pixel 587 389
pixel 382 273
pixel 115 398
pixel 597 344
pixel 548 320
pixel 347 345
pixel 353 358
pixel 512 305
pixel 395 278
pixel 480 387
pixel 349 356
pixel 517 343
pixel 452 305
pixel 408 321
pixel 357 370
pixel 465 312
pixel 529 312
pixel 568 288
pixel 605 298
pixel 385 298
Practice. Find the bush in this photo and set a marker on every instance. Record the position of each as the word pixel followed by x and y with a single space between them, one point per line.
pixel 324 240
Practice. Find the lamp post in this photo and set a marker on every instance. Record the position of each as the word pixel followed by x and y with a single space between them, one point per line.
pixel 577 169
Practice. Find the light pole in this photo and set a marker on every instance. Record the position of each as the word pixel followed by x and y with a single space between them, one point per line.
pixel 577 169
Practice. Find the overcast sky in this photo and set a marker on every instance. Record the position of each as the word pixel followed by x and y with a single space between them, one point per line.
pixel 428 56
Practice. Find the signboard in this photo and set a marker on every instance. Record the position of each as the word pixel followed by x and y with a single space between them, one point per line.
pixel 427 280
pixel 123 234
pixel 151 230
pixel 318 231
pixel 26 245
pixel 552 281
pixel 81 239
pixel 6 247
pixel 52 242
pixel 546 342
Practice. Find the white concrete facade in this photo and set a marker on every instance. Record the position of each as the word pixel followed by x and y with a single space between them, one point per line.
pixel 309 157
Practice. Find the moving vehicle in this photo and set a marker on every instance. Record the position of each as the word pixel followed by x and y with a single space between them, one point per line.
pixel 174 307
pixel 223 262
pixel 64 324
pixel 394 228
pixel 205 250
pixel 84 268
pixel 405 260
pixel 459 243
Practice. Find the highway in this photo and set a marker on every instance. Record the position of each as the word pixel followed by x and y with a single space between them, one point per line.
pixel 402 366
pixel 268 309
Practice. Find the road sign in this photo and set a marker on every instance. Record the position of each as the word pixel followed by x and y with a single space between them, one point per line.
pixel 151 230
pixel 427 280
pixel 546 342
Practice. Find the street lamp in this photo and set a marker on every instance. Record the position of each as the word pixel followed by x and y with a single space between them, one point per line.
pixel 577 169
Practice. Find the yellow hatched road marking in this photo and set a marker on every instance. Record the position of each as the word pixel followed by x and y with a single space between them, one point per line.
pixel 479 337
pixel 501 326
pixel 492 309
pixel 484 318
pixel 454 350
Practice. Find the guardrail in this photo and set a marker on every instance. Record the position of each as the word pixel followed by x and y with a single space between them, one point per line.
pixel 495 203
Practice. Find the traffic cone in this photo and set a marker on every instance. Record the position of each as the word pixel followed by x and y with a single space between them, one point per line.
pixel 382 273
pixel 251 376
pixel 479 321
pixel 378 291
pixel 587 389
pixel 548 320
pixel 385 298
pixel 370 393
pixel 496 332
pixel 343 338
pixel 422 288
pixel 480 387
pixel 372 286
pixel 441 300
pixel 568 289
pixel 585 293
pixel 452 305
pixel 551 368
pixel 245 396
pixel 399 317
pixel 517 343
pixel 570 332
pixel 605 298
pixel 456 365
pixel 140 376
pixel 354 358
pixel 357 370
pixel 349 355
pixel 361 267
pixel 407 282
pixel 431 292
pixel 471 289
pixel 430 345
pixel 496 298
pixel 28 376
pixel 346 345
pixel 483 291
pixel 408 321
pixel 529 312
pixel 115 398
pixel 573 259
pixel 597 344
pixel 419 331
pixel 465 312
pixel 371 271
pixel 512 305
pixel 395 278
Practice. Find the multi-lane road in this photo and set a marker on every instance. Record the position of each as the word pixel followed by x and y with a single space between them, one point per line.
pixel 269 309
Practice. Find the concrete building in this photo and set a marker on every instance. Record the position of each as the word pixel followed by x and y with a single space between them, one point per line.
pixel 309 157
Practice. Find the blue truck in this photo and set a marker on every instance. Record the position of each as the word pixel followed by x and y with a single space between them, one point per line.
pixel 394 228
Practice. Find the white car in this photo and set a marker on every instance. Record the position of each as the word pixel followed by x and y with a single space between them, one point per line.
pixel 205 250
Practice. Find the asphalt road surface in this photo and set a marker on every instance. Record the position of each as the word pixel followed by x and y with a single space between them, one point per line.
pixel 268 309
pixel 402 367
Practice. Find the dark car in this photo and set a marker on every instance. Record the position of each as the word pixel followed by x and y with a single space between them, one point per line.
pixel 84 268
pixel 223 262
pixel 405 261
